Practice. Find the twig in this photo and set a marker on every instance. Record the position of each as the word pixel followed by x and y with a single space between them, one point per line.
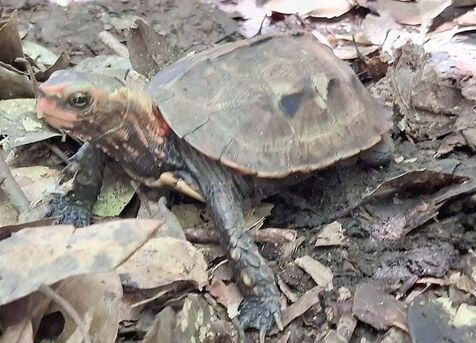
pixel 148 300
pixel 11 188
pixel 31 73
pixel 66 306
pixel 57 151
pixel 113 43
pixel 273 235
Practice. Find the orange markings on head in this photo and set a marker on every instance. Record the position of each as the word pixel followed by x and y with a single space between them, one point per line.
pixel 55 90
pixel 57 117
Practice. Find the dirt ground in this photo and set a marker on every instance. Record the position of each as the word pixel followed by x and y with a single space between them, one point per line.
pixel 405 226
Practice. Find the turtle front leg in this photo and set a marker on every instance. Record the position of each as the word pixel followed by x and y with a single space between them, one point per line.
pixel 76 205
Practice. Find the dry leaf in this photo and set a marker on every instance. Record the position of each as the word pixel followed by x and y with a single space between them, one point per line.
pixel 346 326
pixel 249 10
pixel 162 328
pixel 376 27
pixel 163 261
pixel 10 40
pixel 227 295
pixel 37 181
pixel 19 124
pixel 149 51
pixel 21 332
pixel 331 234
pixel 308 299
pixel 58 252
pixel 411 13
pixel 97 296
pixel 349 52
pixel 450 142
pixel 194 320
pixel 378 309
pixel 311 8
pixel 463 282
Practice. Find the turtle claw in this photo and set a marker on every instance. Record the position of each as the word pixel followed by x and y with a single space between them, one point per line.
pixel 68 211
pixel 260 314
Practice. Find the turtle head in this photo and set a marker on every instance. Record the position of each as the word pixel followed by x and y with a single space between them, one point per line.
pixel 101 110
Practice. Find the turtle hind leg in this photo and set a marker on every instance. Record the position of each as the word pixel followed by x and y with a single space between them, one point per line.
pixel 261 307
pixel 76 205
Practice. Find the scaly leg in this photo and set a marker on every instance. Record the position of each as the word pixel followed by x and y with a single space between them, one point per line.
pixel 76 205
pixel 261 307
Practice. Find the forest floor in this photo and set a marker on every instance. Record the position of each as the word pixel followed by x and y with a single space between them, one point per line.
pixel 361 253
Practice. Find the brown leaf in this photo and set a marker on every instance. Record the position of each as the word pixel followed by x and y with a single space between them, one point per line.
pixel 395 220
pixel 7 230
pixel 17 84
pixel 449 143
pixel 227 295
pixel 163 261
pixel 21 332
pixel 58 252
pixel 378 309
pixel 10 40
pixel 162 329
pixel 305 302
pixel 149 51
pixel 194 320
pixel 415 179
pixel 61 63
pixel 97 295
pixel 159 210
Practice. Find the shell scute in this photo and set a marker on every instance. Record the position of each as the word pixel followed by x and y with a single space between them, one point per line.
pixel 270 106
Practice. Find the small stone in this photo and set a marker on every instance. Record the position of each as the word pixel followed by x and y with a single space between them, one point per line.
pixel 235 254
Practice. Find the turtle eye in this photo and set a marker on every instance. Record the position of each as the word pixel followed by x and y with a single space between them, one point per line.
pixel 79 99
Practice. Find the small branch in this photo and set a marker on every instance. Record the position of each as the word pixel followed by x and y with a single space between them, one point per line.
pixel 11 188
pixel 113 43
pixel 57 151
pixel 272 235
pixel 31 73
pixel 66 306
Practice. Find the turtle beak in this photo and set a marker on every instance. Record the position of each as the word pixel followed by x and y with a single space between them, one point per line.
pixel 56 116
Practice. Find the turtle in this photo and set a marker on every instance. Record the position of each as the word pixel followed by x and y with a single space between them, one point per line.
pixel 239 120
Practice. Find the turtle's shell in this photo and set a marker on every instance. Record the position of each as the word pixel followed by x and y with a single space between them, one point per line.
pixel 270 106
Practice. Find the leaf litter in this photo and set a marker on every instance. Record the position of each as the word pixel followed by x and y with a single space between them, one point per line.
pixel 405 226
